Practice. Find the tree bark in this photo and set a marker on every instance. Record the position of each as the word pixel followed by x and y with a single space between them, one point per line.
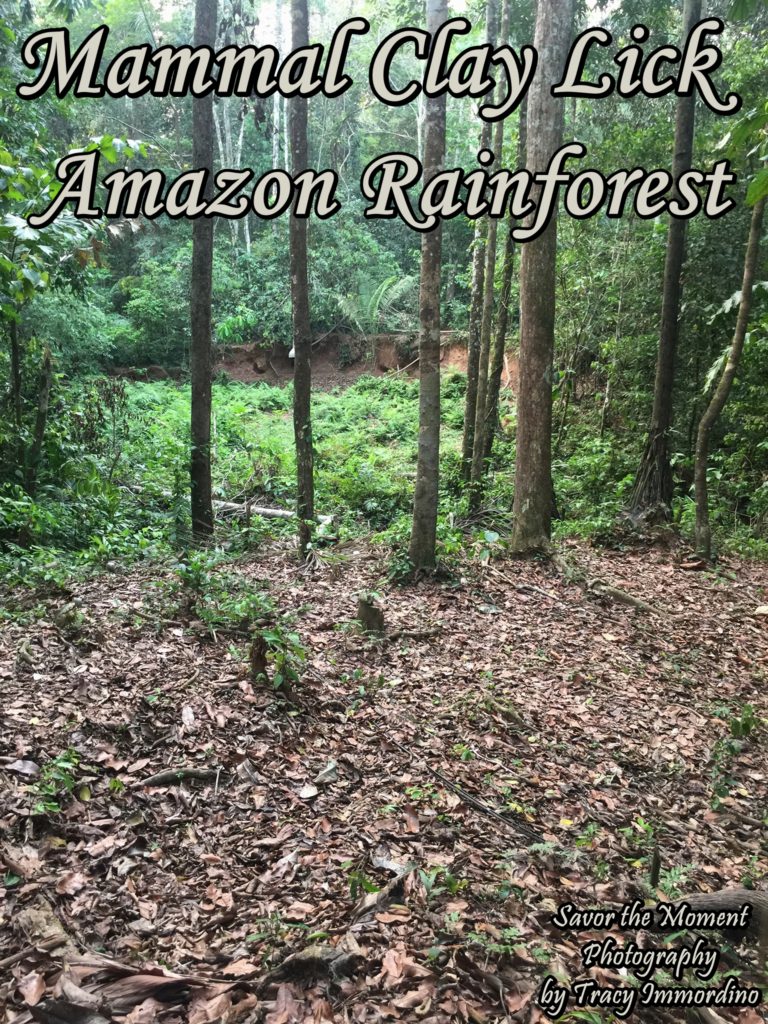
pixel 302 333
pixel 478 287
pixel 533 466
pixel 202 282
pixel 500 342
pixel 652 491
pixel 486 324
pixel 723 389
pixel 13 329
pixel 424 527
pixel 36 448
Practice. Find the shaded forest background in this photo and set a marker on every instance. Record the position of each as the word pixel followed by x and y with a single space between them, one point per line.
pixel 112 304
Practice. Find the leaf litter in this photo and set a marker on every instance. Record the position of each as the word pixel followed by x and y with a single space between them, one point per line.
pixel 391 843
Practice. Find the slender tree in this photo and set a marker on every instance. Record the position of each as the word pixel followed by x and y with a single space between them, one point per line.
pixel 36 447
pixel 424 528
pixel 653 484
pixel 478 288
pixel 302 332
pixel 723 389
pixel 13 331
pixel 505 296
pixel 533 465
pixel 486 322
pixel 202 283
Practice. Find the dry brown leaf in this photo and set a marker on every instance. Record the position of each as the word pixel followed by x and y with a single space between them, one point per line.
pixel 31 988
pixel 286 1009
pixel 71 882
pixel 241 969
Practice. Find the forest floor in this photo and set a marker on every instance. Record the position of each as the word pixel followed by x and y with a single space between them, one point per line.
pixel 414 815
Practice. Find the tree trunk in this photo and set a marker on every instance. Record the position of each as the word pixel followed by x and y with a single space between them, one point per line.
pixel 302 333
pixel 478 287
pixel 720 396
pixel 533 466
pixel 652 491
pixel 202 280
pixel 13 329
pixel 500 341
pixel 486 324
pixel 36 448
pixel 424 527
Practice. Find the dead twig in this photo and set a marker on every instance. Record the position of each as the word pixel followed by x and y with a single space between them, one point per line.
pixel 471 801
pixel 174 776
pixel 45 945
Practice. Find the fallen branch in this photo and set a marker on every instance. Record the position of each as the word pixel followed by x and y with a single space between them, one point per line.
pixel 236 508
pixel 255 510
pixel 575 574
pixel 620 596
pixel 174 776
pixel 46 944
pixel 247 509
pixel 471 801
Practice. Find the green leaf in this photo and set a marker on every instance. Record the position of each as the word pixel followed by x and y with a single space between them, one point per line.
pixel 20 227
pixel 758 187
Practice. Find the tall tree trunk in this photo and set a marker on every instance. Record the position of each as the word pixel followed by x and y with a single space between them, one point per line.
pixel 202 282
pixel 533 502
pixel 478 288
pixel 302 332
pixel 424 527
pixel 36 448
pixel 653 484
pixel 13 330
pixel 723 389
pixel 486 324
pixel 502 326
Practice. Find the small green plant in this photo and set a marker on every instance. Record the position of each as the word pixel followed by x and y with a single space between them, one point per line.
pixel 751 873
pixel 602 870
pixel 640 834
pixel 722 779
pixel 588 836
pixel 463 752
pixel 744 723
pixel 425 793
pixel 286 654
pixel 447 882
pixel 57 781
pixel 673 881
pixel 505 943
pixel 359 882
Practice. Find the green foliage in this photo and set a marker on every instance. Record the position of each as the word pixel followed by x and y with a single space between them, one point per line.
pixel 742 722
pixel 205 588
pixel 440 880
pixel 58 778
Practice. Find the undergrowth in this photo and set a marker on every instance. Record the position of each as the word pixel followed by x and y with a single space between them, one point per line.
pixel 115 487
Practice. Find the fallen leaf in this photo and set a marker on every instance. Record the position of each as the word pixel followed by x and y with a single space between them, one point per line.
pixel 32 988
pixel 71 882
